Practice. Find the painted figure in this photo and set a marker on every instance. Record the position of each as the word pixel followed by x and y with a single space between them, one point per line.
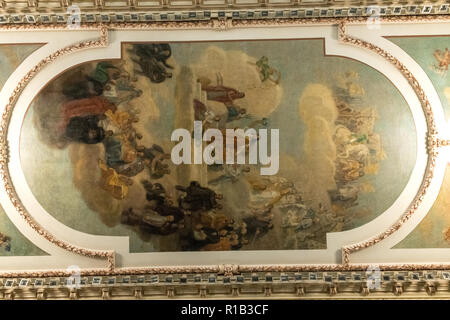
pixel 442 58
pixel 267 72
pixel 219 92
pixel 198 198
pixel 5 241
pixel 152 61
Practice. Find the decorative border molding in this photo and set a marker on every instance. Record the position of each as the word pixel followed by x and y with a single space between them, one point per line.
pixel 225 270
pixel 4 170
pixel 305 285
pixel 433 144
pixel 221 23
pixel 39 11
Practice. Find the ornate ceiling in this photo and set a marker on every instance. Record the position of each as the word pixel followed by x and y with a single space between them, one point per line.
pixel 57 11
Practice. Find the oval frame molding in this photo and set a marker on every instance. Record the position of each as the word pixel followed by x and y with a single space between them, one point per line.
pixel 434 142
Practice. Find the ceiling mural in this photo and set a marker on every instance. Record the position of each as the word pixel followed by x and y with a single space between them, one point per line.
pixel 433 55
pixel 102 131
pixel 12 241
pixel 11 56
pixel 177 149
pixel 434 230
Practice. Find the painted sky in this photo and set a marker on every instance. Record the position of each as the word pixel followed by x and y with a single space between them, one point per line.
pixel 11 56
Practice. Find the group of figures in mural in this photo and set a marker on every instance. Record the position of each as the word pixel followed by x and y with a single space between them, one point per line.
pixel 121 161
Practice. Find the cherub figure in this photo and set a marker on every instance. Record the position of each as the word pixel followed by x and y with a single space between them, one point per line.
pixel 443 59
pixel 267 72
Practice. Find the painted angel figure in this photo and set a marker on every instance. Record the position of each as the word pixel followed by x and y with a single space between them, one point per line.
pixel 443 59
pixel 267 72
pixel 219 92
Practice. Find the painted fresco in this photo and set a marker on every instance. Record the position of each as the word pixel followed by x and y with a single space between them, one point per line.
pixel 11 56
pixel 12 242
pixel 434 230
pixel 96 145
pixel 432 54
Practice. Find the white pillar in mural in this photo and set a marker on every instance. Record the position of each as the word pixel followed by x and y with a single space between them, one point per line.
pixel 199 171
pixel 187 89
